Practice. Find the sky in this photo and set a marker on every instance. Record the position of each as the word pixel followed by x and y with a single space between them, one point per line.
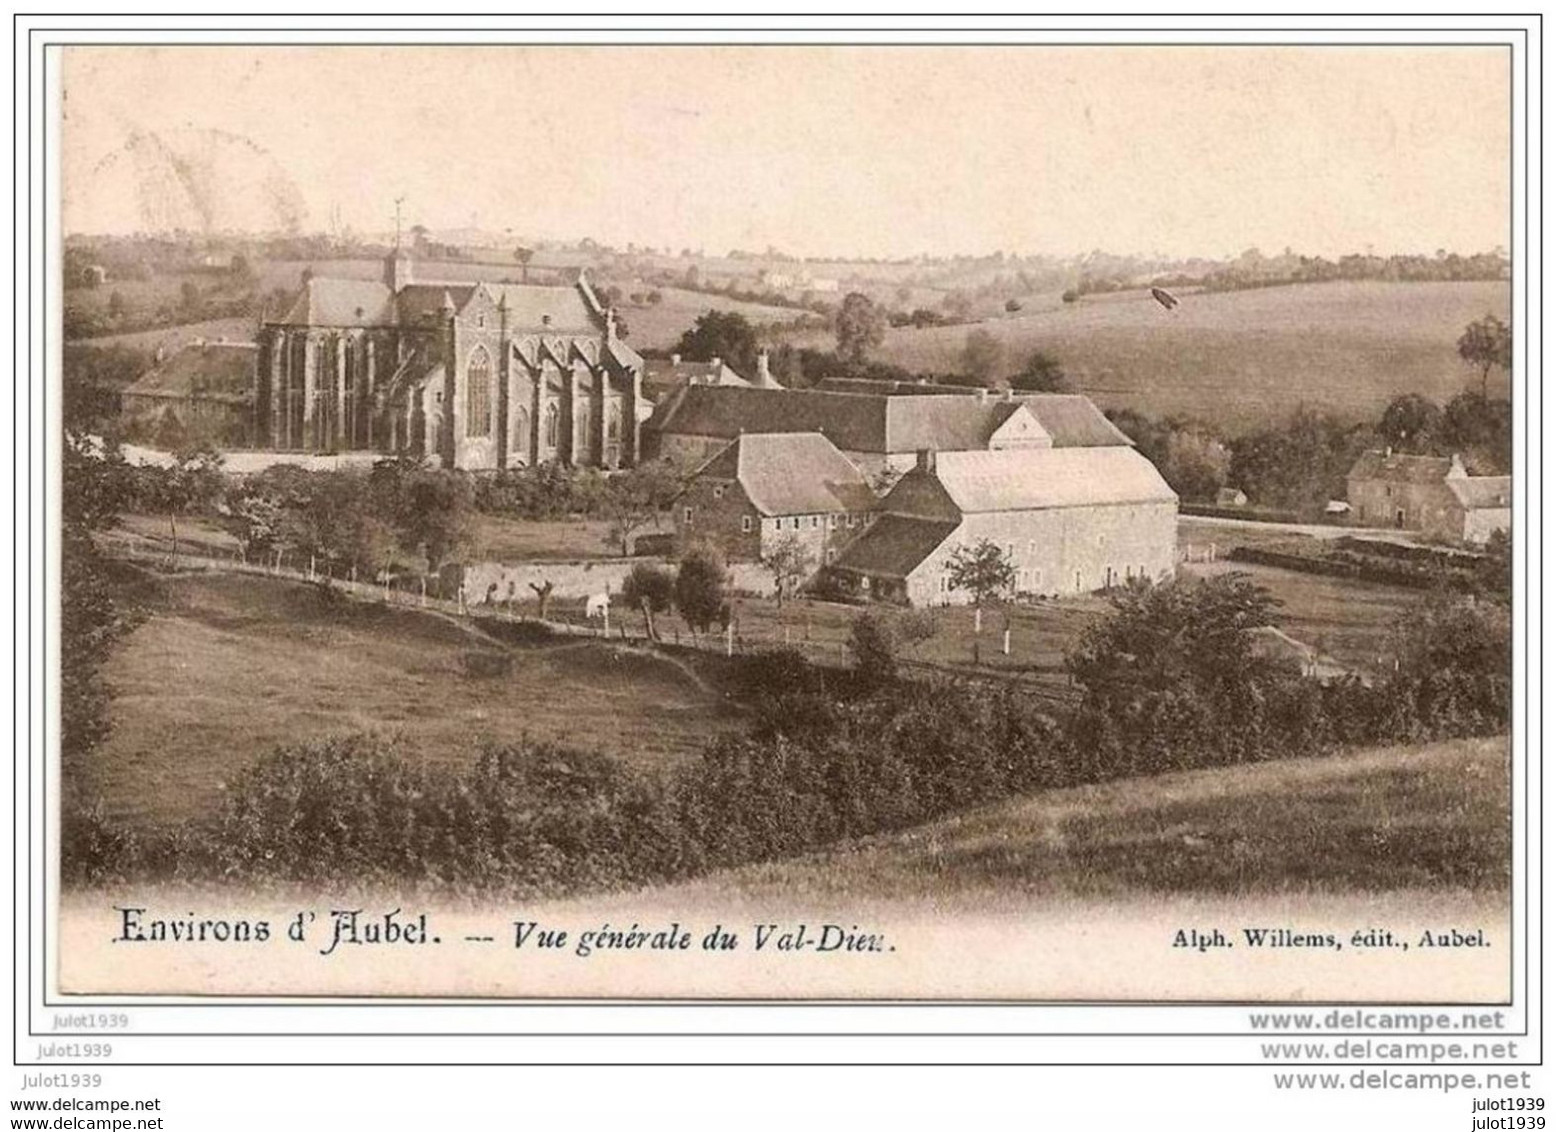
pixel 816 151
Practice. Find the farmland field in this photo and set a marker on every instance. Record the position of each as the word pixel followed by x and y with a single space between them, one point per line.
pixel 1239 358
pixel 227 667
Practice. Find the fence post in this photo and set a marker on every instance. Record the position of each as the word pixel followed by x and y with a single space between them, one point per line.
pixel 729 638
pixel 424 591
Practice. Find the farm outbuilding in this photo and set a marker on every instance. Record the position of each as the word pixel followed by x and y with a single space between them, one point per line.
pixel 1069 520
pixel 1435 495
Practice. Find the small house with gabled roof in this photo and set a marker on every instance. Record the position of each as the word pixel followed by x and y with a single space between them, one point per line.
pixel 1435 495
pixel 762 488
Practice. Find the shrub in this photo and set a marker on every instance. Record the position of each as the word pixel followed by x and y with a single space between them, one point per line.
pixel 872 638
pixel 699 588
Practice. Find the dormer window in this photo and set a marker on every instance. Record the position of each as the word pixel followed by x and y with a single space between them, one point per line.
pixel 718 491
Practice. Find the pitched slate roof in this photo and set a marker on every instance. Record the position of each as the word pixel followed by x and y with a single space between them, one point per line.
pixel 881 386
pixel 341 302
pixel 791 474
pixel 1400 467
pixel 419 303
pixel 662 376
pixel 1073 420
pixel 529 304
pixel 880 423
pixel 325 301
pixel 855 424
pixel 1482 493
pixel 895 545
pixel 1022 479
pixel 222 371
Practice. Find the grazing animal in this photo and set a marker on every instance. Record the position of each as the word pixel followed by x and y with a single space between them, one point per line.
pixel 596 605
pixel 1166 298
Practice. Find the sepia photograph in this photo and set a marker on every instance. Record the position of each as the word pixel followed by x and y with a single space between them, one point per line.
pixel 1020 523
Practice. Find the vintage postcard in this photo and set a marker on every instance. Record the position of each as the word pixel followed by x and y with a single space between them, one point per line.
pixel 1024 523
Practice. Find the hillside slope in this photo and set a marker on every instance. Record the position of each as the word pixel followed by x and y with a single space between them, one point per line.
pixel 1423 818
pixel 1239 358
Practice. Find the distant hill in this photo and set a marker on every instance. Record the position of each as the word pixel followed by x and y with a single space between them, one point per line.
pixel 1238 358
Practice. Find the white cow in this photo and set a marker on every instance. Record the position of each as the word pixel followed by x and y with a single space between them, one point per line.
pixel 596 605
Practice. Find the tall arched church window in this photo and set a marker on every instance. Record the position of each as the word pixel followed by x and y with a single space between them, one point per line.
pixel 520 440
pixel 553 423
pixel 478 395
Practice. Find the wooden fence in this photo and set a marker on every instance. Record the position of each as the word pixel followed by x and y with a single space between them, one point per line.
pixel 729 641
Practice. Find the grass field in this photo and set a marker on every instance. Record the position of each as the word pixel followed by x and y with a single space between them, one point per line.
pixel 171 338
pixel 229 666
pixel 1347 620
pixel 1426 817
pixel 495 538
pixel 1240 358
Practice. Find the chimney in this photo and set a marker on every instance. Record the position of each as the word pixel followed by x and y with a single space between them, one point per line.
pixel 716 361
pixel 764 376
pixel 675 359
pixel 926 460
pixel 1456 468
pixel 610 324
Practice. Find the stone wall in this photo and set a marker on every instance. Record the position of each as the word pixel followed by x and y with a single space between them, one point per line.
pixel 509 581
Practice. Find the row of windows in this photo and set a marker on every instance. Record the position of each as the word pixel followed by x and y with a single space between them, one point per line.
pixel 1032 580
pixel 796 522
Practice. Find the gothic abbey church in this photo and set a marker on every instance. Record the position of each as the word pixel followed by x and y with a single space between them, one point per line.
pixel 472 375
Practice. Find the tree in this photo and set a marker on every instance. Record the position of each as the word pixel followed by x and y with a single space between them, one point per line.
pixel 861 326
pixel 117 307
pixel 790 562
pixel 94 613
pixel 189 299
pixel 1300 463
pixel 650 589
pixel 1485 343
pixel 1041 373
pixel 984 571
pixel 194 483
pixel 1412 422
pixel 629 505
pixel 872 638
pixel 1482 430
pixel 435 515
pixel 524 255
pixel 983 357
pixel 1162 676
pixel 721 334
pixel 699 588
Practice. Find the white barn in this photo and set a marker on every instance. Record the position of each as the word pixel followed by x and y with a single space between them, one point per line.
pixel 1070 520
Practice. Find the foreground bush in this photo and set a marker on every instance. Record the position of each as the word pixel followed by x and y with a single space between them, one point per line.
pixel 1170 682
